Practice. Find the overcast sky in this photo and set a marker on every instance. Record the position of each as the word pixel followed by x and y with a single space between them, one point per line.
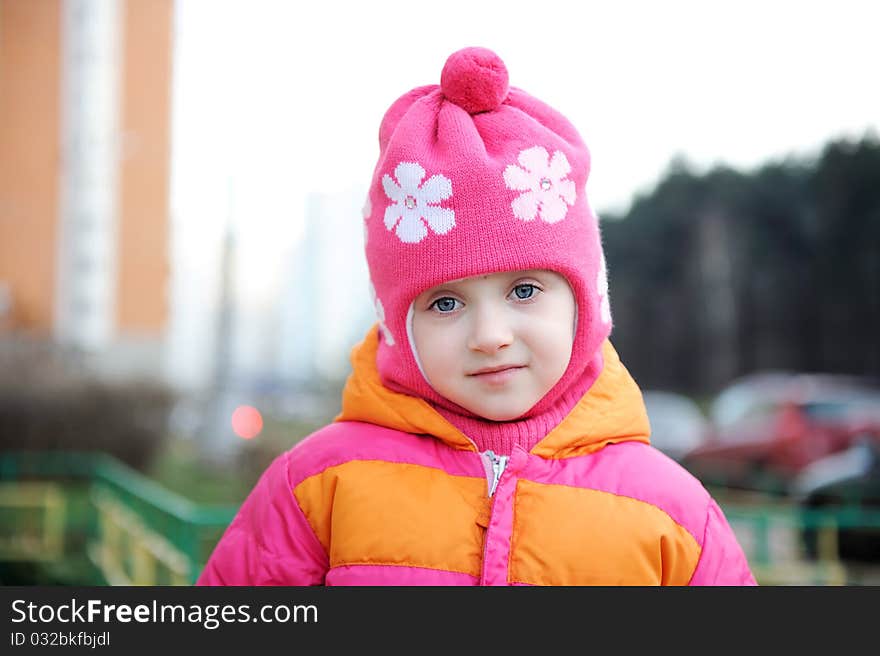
pixel 275 99
pixel 301 87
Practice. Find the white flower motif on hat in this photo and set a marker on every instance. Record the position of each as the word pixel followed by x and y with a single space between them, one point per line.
pixel 380 315
pixel 414 205
pixel 366 211
pixel 547 190
pixel 602 289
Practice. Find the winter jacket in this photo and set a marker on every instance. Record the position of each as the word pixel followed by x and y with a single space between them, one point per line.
pixel 392 494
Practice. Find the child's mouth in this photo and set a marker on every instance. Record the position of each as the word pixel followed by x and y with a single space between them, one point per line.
pixel 497 376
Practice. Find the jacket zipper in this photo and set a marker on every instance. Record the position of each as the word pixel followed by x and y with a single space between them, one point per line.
pixel 498 464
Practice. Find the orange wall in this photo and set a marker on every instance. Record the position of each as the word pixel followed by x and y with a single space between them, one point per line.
pixel 144 176
pixel 29 156
pixel 30 151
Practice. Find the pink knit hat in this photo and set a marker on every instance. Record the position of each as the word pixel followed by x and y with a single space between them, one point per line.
pixel 474 177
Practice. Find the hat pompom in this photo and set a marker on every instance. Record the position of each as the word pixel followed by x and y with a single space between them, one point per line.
pixel 475 79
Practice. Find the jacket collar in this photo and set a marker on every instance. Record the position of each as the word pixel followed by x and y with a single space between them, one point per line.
pixel 611 411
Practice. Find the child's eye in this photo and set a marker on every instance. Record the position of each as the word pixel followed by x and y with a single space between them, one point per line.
pixel 525 291
pixel 445 304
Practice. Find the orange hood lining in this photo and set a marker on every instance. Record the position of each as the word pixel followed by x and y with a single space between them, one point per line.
pixel 611 411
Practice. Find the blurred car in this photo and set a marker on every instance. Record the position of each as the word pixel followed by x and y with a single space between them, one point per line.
pixel 845 480
pixel 677 423
pixel 766 428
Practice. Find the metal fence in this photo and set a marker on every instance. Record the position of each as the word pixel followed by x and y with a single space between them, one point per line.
pixel 92 520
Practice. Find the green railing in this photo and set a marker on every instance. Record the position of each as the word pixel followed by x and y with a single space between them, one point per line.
pixel 97 521
pixel 92 515
pixel 790 545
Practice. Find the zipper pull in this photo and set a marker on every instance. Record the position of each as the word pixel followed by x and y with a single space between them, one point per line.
pixel 498 465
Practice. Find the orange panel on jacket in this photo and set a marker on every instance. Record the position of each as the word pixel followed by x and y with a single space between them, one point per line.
pixel 573 536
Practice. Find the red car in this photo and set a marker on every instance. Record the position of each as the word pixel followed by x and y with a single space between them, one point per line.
pixel 768 427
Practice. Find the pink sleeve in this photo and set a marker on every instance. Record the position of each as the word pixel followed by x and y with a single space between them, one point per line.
pixel 722 561
pixel 269 542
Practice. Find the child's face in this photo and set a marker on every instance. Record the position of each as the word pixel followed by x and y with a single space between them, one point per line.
pixel 520 321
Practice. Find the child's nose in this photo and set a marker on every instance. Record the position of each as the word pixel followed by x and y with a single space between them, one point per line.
pixel 490 330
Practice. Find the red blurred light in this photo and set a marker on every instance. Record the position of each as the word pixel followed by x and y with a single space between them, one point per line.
pixel 247 422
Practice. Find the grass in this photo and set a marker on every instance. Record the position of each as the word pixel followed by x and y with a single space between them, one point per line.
pixel 180 468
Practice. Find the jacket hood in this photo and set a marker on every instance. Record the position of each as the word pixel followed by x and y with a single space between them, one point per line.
pixel 611 411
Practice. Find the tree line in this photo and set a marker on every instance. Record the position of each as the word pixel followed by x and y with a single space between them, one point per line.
pixel 723 273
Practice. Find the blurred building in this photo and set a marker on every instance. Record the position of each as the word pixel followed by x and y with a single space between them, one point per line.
pixel 326 306
pixel 84 175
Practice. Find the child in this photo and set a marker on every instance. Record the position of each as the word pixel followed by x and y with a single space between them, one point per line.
pixel 489 434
